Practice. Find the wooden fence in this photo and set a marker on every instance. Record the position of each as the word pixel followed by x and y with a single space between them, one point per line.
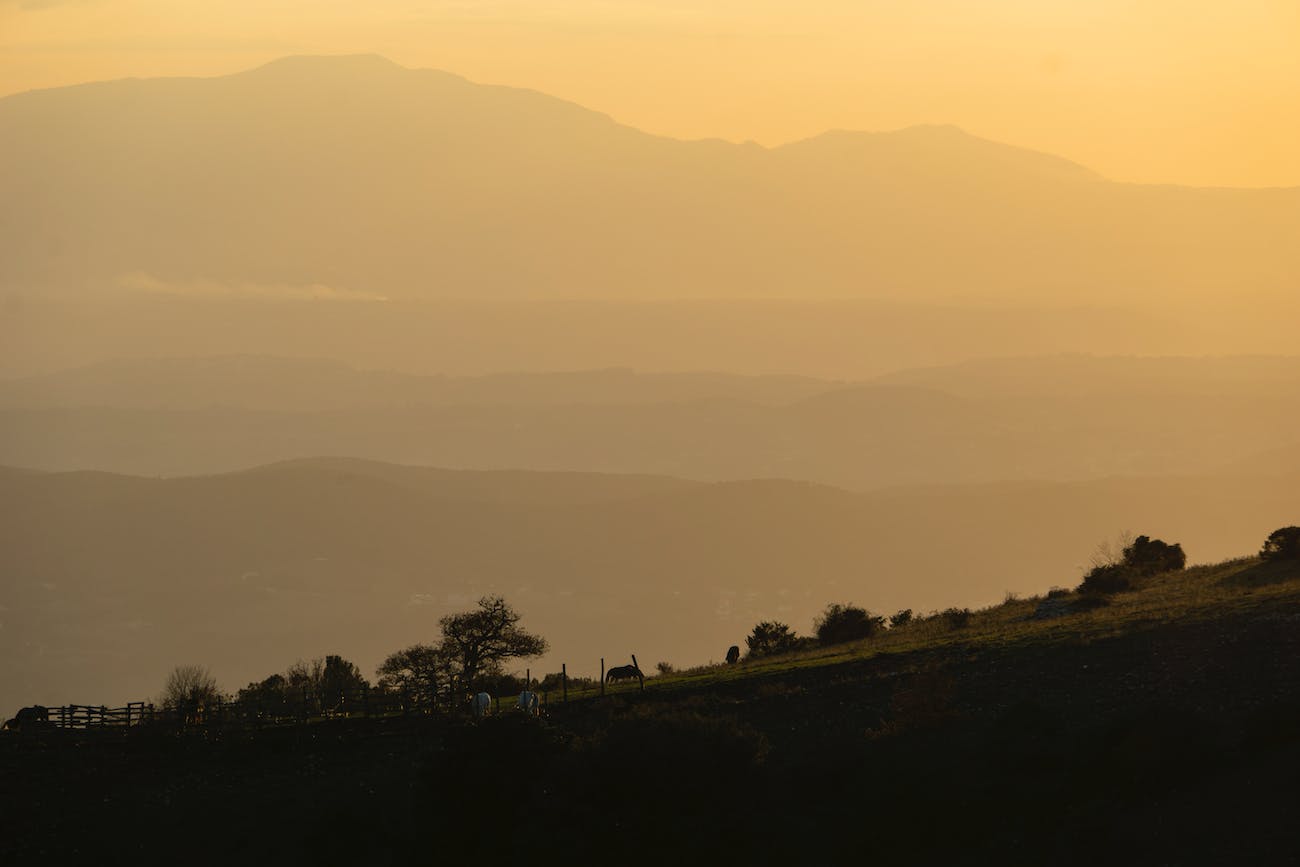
pixel 297 706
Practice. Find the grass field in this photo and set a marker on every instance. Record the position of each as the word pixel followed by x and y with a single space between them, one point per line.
pixel 1199 594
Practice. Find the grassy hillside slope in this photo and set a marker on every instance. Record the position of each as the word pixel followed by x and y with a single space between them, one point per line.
pixel 1161 728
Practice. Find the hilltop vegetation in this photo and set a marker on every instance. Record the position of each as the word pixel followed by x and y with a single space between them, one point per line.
pixel 1160 727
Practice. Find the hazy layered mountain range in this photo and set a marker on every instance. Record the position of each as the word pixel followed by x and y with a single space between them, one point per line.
pixel 1056 417
pixel 353 178
pixel 109 581
pixel 224 235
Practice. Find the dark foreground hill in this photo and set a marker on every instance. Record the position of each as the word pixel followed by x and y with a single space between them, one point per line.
pixel 110 581
pixel 1163 727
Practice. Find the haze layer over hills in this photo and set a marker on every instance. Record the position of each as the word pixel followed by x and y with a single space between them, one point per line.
pixel 351 177
pixel 273 211
pixel 175 252
pixel 1051 418
pixel 111 580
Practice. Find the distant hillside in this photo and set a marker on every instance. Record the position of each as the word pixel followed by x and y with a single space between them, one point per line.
pixel 1059 418
pixel 1114 377
pixel 352 178
pixel 108 581
pixel 276 383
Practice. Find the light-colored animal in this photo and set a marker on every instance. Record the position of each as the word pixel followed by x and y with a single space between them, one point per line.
pixel 624 672
pixel 528 702
pixel 481 704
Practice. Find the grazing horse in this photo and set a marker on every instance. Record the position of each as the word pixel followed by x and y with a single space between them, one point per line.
pixel 33 717
pixel 624 672
pixel 480 704
pixel 733 654
pixel 528 702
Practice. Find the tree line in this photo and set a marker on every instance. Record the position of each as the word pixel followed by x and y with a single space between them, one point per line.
pixel 470 656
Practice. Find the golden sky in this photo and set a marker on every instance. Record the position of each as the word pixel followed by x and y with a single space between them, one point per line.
pixel 1161 91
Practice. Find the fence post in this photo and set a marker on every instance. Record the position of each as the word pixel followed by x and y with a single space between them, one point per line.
pixel 602 676
pixel 640 673
pixel 564 681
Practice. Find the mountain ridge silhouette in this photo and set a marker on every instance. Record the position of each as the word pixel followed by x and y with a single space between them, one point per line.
pixel 356 179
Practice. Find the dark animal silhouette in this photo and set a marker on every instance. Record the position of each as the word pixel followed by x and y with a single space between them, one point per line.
pixel 733 654
pixel 624 672
pixel 33 717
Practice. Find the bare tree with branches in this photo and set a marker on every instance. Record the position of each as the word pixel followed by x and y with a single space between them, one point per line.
pixel 188 690
pixel 476 643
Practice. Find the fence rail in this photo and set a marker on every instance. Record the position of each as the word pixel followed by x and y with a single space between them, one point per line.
pixel 294 706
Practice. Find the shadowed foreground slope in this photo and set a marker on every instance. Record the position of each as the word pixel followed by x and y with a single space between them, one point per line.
pixel 1163 728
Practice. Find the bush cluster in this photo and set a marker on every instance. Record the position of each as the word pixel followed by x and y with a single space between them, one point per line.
pixel 1282 544
pixel 843 623
pixel 1141 558
pixel 771 637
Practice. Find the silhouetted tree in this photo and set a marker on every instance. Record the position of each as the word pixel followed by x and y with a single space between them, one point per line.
pixel 416 670
pixel 902 618
pixel 1148 556
pixel 327 681
pixel 1104 580
pixel 269 691
pixel 304 675
pixel 1282 544
pixel 841 623
pixel 477 642
pixel 1140 557
pixel 340 680
pixel 189 688
pixel 770 637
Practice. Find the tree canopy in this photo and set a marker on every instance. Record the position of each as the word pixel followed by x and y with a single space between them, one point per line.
pixel 1282 544
pixel 770 637
pixel 841 623
pixel 189 687
pixel 1148 556
pixel 416 670
pixel 476 643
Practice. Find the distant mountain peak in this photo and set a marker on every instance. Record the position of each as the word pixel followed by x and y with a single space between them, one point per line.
pixel 349 63
pixel 347 177
pixel 958 148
